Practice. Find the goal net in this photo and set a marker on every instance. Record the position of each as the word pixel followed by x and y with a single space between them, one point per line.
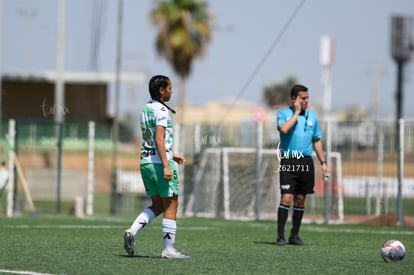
pixel 243 183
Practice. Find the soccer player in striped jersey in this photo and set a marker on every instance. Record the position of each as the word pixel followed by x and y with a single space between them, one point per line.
pixel 158 168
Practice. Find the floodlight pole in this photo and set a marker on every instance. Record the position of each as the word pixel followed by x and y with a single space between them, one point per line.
pixel 399 140
pixel 402 48
pixel 115 200
pixel 59 97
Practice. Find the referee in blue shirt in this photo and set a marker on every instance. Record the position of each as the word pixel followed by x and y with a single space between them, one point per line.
pixel 299 136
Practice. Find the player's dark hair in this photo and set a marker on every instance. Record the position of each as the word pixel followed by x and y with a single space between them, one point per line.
pixel 296 89
pixel 155 84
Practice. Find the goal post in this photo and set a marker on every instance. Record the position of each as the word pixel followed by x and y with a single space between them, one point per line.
pixel 225 185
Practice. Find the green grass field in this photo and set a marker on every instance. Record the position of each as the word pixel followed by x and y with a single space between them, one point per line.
pixel 67 245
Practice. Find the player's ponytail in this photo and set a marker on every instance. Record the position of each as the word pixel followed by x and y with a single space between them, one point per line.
pixel 155 84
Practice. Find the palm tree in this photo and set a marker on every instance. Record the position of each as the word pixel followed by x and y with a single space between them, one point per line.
pixel 184 33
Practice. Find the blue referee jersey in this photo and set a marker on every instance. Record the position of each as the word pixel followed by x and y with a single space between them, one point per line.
pixel 298 142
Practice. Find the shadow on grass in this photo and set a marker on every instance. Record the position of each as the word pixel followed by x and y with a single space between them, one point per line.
pixel 265 242
pixel 139 256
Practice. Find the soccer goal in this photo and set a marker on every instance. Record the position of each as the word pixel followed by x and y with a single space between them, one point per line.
pixel 230 184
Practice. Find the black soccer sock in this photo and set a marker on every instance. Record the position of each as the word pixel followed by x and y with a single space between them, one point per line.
pixel 282 215
pixel 297 216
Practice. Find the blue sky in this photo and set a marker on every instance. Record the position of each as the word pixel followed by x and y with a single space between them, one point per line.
pixel 244 31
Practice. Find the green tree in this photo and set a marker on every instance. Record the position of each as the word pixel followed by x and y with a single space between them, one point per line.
pixel 184 32
pixel 279 93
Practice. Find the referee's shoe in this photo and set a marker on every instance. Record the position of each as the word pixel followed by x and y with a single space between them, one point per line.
pixel 295 240
pixel 280 241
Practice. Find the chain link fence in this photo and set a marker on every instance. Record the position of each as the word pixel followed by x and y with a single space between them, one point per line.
pixel 367 149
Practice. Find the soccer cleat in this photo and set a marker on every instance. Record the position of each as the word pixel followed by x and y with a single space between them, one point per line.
pixel 173 254
pixel 280 241
pixel 295 240
pixel 129 242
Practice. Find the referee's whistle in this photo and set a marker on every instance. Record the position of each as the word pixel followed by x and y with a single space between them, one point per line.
pixel 326 177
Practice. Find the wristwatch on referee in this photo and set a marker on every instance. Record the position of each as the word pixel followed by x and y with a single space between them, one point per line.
pixel 323 161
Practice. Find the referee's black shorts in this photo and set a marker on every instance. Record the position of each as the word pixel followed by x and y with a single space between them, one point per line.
pixel 297 176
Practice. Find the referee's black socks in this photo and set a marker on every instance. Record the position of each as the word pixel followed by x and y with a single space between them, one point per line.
pixel 282 216
pixel 297 216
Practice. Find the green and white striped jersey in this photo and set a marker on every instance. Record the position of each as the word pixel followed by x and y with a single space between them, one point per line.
pixel 153 114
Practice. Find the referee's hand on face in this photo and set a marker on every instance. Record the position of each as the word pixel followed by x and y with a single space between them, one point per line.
pixel 297 104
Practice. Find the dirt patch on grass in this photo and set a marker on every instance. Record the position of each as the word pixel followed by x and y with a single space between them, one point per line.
pixel 390 220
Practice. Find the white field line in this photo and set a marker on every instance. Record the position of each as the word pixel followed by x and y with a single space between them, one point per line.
pixel 8 271
pixel 61 226
pixel 69 226
pixel 310 228
pixel 353 231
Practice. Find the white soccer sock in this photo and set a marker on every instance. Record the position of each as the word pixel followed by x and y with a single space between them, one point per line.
pixel 142 220
pixel 169 229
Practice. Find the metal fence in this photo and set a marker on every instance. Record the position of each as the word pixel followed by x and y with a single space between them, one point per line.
pixel 367 149
pixel 368 159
